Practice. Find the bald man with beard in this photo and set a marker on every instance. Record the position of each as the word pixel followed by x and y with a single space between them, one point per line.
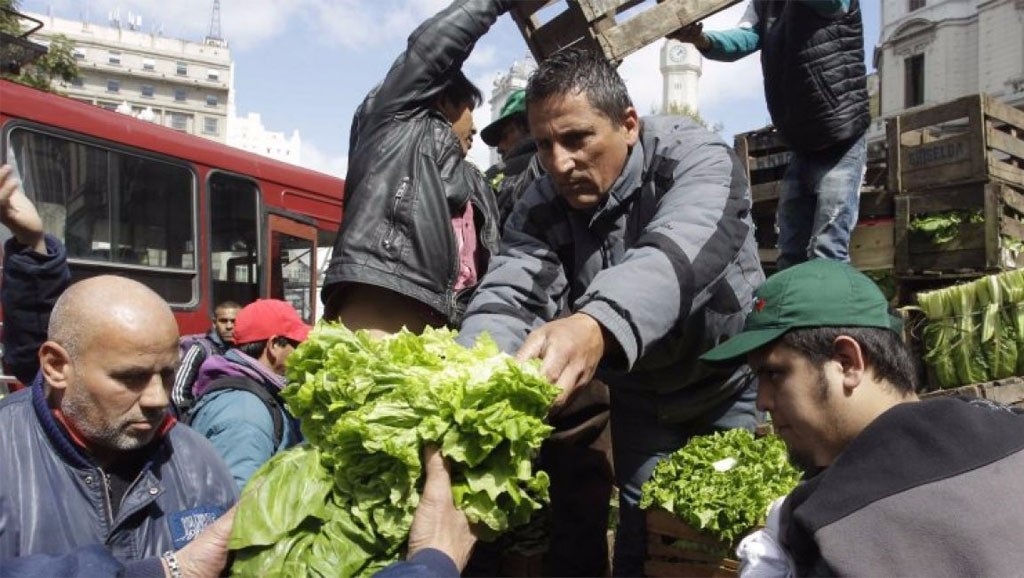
pixel 98 479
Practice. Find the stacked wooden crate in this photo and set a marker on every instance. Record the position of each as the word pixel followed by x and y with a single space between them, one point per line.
pixel 676 549
pixel 616 28
pixel 766 158
pixel 966 155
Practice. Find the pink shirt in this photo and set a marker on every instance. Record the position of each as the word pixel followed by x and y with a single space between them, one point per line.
pixel 465 237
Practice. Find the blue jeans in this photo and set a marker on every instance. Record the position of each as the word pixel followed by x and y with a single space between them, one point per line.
pixel 819 204
pixel 639 442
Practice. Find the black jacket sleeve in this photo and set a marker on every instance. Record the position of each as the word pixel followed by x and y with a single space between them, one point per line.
pixel 32 282
pixel 436 51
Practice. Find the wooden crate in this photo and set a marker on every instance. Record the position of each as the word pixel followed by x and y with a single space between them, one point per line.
pixel 617 28
pixel 978 248
pixel 667 557
pixel 872 242
pixel 765 158
pixel 972 139
pixel 1009 391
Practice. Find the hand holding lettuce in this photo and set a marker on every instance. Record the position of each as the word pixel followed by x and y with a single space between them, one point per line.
pixel 343 504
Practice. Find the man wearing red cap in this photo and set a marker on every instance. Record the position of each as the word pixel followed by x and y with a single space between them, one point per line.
pixel 238 403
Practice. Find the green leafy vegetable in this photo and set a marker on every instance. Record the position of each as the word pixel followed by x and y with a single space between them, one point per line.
pixel 343 504
pixel 722 483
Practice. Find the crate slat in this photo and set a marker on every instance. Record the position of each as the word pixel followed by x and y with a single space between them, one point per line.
pixel 971 139
pixel 616 28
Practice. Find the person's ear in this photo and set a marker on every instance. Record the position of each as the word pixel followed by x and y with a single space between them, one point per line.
pixel 446 108
pixel 273 349
pixel 56 365
pixel 850 357
pixel 631 125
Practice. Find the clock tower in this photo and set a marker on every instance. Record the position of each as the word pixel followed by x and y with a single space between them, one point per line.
pixel 680 71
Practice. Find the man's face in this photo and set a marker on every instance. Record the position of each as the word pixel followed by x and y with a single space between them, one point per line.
pixel 461 117
pixel 804 402
pixel 511 134
pixel 583 150
pixel 116 389
pixel 224 323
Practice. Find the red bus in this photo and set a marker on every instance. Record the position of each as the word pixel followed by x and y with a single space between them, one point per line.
pixel 197 221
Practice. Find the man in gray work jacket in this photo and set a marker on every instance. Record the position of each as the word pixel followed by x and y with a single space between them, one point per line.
pixel 631 257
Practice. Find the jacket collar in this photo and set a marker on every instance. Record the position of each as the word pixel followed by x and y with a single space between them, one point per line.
pixel 236 364
pixel 624 187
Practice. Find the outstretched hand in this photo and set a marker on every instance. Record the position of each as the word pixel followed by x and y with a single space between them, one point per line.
pixel 569 349
pixel 18 213
pixel 438 524
pixel 207 554
pixel 692 34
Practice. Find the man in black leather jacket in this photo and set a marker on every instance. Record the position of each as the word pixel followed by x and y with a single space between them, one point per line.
pixel 419 221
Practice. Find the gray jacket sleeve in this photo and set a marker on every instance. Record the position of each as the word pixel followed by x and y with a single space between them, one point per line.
pixel 699 226
pixel 524 284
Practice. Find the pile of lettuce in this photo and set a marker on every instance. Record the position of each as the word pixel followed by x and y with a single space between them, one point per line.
pixel 342 504
pixel 723 483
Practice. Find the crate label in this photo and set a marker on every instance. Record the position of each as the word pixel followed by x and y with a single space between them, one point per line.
pixel 936 153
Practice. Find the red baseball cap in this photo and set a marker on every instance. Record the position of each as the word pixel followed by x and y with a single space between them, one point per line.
pixel 265 318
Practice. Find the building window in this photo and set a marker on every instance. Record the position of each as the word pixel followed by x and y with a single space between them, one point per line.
pixel 917 4
pixel 113 86
pixel 212 74
pixel 148 64
pixel 79 53
pixel 179 121
pixel 182 68
pixel 114 58
pixel 211 100
pixel 210 125
pixel 180 94
pixel 914 80
pixel 77 82
pixel 147 91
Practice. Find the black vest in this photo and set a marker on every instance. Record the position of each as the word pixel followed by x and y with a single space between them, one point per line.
pixel 814 74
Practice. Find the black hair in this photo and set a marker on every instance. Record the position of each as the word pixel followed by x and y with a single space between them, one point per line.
pixel 460 90
pixel 882 348
pixel 580 71
pixel 253 349
pixel 226 305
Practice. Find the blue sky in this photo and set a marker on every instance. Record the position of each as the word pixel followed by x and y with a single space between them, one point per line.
pixel 306 64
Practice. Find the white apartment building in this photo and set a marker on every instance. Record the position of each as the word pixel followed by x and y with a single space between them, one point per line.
pixel 175 83
pixel 934 51
pixel 249 134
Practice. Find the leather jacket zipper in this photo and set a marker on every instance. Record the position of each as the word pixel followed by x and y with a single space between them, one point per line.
pixel 403 188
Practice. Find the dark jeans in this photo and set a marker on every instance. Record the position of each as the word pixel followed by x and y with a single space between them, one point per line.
pixel 640 441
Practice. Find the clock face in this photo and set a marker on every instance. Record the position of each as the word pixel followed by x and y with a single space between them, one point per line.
pixel 677 54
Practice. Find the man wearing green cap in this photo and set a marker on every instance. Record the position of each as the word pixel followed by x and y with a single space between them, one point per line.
pixel 895 486
pixel 510 135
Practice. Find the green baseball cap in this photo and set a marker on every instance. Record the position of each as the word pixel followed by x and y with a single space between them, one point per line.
pixel 817 293
pixel 514 104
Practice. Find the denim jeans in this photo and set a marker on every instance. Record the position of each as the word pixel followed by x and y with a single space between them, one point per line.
pixel 819 204
pixel 639 442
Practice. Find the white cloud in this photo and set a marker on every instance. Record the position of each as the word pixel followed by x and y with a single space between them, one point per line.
pixel 318 160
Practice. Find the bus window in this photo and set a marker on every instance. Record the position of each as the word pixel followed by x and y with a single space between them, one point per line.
pixel 115 212
pixel 234 246
pixel 293 264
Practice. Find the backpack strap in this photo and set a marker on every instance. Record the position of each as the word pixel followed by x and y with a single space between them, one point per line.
pixel 245 384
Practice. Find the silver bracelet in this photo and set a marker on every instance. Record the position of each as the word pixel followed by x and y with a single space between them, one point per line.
pixel 172 563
